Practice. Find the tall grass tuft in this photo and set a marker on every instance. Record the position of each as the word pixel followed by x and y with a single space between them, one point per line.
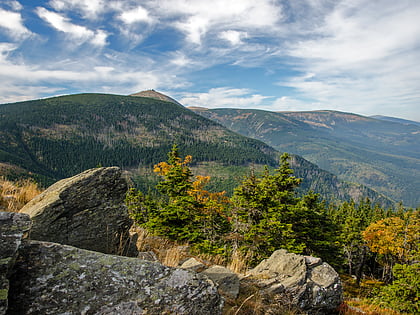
pixel 14 195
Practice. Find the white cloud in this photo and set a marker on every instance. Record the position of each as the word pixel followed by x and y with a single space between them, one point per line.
pixel 138 14
pixel 200 17
pixel 14 5
pixel 78 33
pixel 223 97
pixel 181 60
pixel 233 37
pixel 23 81
pixel 363 57
pixel 89 9
pixel 287 103
pixel 12 22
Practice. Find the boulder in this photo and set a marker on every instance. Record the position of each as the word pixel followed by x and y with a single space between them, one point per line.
pixel 300 281
pixel 86 211
pixel 50 278
pixel 13 226
pixel 193 264
pixel 226 280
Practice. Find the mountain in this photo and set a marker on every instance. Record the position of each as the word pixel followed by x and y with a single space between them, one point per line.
pixel 380 154
pixel 58 137
pixel 157 96
pixel 396 120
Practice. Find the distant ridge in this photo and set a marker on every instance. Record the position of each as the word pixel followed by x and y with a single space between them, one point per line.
pixel 156 95
pixel 396 120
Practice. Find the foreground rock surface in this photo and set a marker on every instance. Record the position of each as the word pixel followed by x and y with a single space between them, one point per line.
pixel 226 280
pixel 12 228
pixel 51 278
pixel 86 211
pixel 301 281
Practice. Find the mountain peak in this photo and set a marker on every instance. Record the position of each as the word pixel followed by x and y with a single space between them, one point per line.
pixel 156 95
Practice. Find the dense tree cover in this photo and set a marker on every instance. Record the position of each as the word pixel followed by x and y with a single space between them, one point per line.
pixel 264 214
pixel 269 215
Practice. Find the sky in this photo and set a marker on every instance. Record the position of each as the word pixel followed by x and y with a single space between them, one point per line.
pixel 358 56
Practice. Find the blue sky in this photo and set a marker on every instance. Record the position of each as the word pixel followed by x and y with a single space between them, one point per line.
pixel 357 56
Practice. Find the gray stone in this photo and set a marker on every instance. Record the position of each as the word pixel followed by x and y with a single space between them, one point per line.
pixel 193 264
pixel 287 267
pixel 150 256
pixel 50 278
pixel 226 280
pixel 13 226
pixel 86 211
pixel 301 281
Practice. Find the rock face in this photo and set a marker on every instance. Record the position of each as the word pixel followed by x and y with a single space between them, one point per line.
pixel 302 281
pixel 51 278
pixel 86 211
pixel 12 228
pixel 226 280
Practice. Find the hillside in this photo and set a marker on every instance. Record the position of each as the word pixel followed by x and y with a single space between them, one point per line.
pixel 58 137
pixel 380 154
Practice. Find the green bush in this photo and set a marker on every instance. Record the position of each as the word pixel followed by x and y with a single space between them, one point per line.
pixel 403 294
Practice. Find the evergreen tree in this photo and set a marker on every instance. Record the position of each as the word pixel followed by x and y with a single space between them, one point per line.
pixel 185 212
pixel 269 216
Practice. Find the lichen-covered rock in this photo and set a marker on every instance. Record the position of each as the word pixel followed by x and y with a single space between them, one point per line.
pixel 51 278
pixel 86 211
pixel 12 228
pixel 226 280
pixel 302 281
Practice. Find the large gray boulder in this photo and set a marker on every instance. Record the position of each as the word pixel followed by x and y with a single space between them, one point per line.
pixel 86 211
pixel 13 226
pixel 50 278
pixel 301 281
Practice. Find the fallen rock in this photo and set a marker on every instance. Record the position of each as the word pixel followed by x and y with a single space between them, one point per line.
pixel 300 281
pixel 50 278
pixel 86 211
pixel 226 280
pixel 193 264
pixel 13 226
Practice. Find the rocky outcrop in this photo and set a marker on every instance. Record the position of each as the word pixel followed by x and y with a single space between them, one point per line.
pixel 301 281
pixel 86 211
pixel 50 278
pixel 12 228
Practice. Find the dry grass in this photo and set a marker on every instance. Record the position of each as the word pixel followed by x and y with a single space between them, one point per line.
pixel 239 262
pixel 14 195
pixel 251 301
pixel 168 252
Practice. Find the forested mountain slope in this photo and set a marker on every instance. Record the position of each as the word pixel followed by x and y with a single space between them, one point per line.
pixel 58 137
pixel 380 154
